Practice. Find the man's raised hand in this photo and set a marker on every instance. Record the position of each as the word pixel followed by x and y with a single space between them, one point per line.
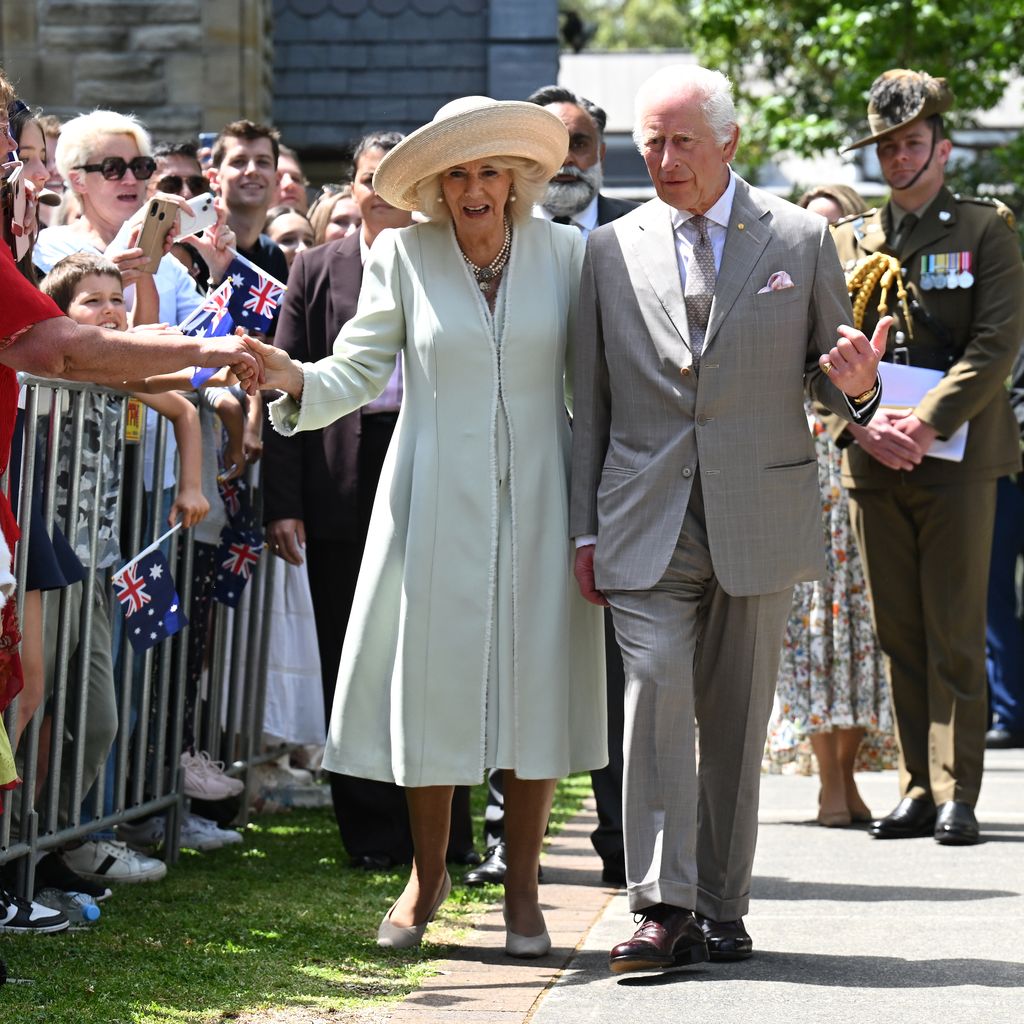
pixel 852 363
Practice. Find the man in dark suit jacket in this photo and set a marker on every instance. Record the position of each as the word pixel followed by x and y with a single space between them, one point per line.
pixel 574 197
pixel 318 492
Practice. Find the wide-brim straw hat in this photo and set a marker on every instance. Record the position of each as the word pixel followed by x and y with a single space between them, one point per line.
pixel 470 128
pixel 900 96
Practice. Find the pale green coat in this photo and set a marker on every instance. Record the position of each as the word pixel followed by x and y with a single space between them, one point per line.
pixel 411 704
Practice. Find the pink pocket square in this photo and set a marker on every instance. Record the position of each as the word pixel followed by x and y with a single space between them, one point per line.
pixel 779 280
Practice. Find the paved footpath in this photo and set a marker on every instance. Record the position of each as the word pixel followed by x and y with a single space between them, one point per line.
pixel 845 928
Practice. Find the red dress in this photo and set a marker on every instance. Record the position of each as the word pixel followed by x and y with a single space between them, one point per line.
pixel 21 307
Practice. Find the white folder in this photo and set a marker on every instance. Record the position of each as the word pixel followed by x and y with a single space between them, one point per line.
pixel 903 387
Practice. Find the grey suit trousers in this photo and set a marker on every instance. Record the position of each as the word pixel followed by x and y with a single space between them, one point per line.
pixel 694 653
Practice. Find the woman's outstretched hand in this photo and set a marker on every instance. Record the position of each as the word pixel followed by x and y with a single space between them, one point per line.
pixel 280 371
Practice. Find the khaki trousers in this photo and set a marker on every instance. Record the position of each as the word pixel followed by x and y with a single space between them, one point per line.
pixel 926 551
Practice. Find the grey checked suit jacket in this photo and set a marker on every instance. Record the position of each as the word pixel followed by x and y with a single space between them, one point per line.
pixel 644 423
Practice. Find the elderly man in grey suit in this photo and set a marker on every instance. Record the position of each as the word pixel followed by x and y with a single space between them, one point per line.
pixel 703 315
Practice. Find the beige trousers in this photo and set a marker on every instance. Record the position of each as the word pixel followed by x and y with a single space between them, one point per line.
pixel 693 653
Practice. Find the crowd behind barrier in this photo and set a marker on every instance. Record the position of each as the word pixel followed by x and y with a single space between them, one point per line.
pixel 143 775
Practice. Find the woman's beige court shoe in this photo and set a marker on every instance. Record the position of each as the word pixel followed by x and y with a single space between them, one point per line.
pixel 391 936
pixel 526 947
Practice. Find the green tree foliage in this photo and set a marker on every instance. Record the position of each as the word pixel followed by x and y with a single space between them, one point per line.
pixel 803 67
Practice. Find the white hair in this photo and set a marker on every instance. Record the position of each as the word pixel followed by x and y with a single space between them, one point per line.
pixel 713 88
pixel 82 137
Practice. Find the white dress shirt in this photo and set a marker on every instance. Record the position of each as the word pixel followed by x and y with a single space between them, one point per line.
pixel 718 224
pixel 585 219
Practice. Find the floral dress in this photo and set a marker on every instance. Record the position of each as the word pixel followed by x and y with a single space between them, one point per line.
pixel 831 675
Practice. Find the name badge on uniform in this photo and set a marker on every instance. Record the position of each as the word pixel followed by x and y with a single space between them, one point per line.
pixel 941 270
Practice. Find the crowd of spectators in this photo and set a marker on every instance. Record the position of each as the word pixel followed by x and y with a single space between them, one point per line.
pixel 90 182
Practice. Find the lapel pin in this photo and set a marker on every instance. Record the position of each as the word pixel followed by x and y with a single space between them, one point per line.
pixel 741 226
pixel 944 215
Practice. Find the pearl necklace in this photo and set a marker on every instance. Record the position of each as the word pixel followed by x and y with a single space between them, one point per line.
pixel 487 276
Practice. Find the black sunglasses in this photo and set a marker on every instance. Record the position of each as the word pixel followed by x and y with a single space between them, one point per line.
pixel 174 182
pixel 113 168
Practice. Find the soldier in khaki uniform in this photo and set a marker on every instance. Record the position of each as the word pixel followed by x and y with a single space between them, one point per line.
pixel 924 524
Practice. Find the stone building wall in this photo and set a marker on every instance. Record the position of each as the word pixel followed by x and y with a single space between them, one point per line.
pixel 342 67
pixel 324 71
pixel 182 66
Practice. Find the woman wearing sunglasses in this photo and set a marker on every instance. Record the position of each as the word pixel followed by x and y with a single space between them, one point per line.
pixel 106 159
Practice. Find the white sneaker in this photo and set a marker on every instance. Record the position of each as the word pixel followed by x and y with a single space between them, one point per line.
pixel 107 860
pixel 202 834
pixel 206 780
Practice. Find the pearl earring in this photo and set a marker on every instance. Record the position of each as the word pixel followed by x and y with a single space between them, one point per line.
pixel 439 199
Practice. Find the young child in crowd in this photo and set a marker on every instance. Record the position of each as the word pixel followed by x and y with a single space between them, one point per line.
pixel 88 287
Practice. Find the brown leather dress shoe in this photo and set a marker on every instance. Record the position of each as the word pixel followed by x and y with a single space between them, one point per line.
pixel 667 937
pixel 727 940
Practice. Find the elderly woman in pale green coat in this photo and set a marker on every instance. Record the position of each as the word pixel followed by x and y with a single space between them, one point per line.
pixel 468 647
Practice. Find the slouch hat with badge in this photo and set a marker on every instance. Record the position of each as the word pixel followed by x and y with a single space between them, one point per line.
pixel 900 96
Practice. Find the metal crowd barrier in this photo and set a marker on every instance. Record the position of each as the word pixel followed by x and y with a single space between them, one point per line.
pixel 147 776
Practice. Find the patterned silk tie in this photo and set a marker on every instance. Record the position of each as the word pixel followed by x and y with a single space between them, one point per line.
pixel 700 283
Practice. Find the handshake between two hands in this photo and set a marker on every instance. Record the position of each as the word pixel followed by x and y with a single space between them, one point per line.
pixel 256 365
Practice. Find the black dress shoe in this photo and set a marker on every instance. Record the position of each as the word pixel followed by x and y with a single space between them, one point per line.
pixel 727 940
pixel 372 862
pixel 491 870
pixel 913 816
pixel 956 825
pixel 667 937
pixel 1000 738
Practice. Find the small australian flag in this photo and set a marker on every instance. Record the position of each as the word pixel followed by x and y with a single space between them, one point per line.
pixel 237 500
pixel 237 557
pixel 248 298
pixel 255 296
pixel 147 595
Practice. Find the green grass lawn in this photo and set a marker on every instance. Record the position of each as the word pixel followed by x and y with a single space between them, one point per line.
pixel 278 922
